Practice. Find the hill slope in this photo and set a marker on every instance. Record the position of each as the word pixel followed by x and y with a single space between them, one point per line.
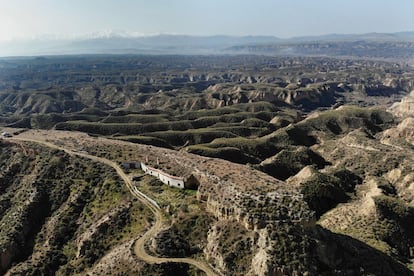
pixel 247 220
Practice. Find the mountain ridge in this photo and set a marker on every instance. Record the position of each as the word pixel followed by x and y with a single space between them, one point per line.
pixel 122 42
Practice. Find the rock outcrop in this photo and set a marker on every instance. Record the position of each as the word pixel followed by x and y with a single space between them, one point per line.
pixel 405 108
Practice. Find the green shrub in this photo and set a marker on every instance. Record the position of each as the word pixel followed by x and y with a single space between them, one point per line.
pixel 323 192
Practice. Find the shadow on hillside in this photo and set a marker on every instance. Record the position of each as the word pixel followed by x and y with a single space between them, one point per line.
pixel 337 254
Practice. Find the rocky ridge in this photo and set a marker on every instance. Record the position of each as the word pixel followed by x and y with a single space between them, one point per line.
pixel 228 193
pixel 404 108
pixel 269 225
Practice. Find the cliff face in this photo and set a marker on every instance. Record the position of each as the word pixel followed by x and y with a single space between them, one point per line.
pixel 404 111
pixel 260 217
pixel 404 108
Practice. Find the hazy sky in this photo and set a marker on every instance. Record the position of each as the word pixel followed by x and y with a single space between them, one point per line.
pixel 27 18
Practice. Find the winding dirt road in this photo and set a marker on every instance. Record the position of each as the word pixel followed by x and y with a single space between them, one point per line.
pixel 139 246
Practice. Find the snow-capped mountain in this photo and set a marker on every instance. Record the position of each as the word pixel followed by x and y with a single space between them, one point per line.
pixel 129 42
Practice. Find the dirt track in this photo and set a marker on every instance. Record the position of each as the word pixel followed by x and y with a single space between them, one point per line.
pixel 139 246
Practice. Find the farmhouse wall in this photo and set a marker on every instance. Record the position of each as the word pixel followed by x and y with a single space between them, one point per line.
pixel 165 178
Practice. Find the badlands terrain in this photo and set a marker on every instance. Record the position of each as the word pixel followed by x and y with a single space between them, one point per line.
pixel 300 165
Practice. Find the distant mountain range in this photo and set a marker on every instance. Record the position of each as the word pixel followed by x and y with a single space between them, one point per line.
pixel 134 43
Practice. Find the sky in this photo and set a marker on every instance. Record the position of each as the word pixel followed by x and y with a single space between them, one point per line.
pixel 289 18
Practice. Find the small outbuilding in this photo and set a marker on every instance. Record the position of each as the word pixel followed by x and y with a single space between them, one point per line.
pixel 6 134
pixel 131 165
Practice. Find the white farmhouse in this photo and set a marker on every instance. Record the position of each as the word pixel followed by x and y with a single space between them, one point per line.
pixel 6 134
pixel 170 180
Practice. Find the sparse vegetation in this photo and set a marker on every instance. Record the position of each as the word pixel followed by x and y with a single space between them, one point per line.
pixel 323 192
pixel 80 193
pixel 309 121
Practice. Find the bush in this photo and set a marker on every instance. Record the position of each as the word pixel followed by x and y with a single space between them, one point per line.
pixel 322 193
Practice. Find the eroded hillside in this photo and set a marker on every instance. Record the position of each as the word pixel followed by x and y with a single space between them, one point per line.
pixel 183 83
pixel 296 166
pixel 260 228
pixel 60 214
